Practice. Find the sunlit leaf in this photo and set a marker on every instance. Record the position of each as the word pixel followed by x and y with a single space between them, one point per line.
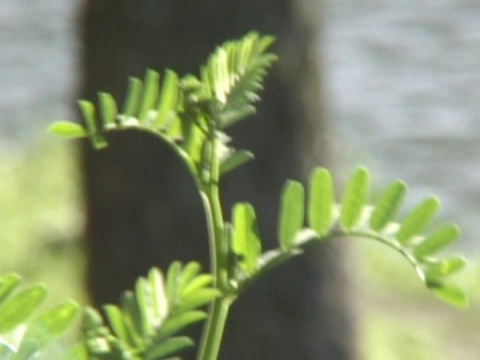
pixel 168 98
pixel 246 239
pixel 46 327
pixel 444 267
pixel 355 198
pixel 170 346
pixel 78 352
pixel 321 201
pixel 8 282
pixel 189 273
pixel 150 93
pixel 234 74
pixel 198 282
pixel 193 140
pixel 197 299
pixel 292 213
pixel 172 285
pixel 115 319
pixel 437 241
pixel 108 110
pixel 452 295
pixel 67 129
pixel 88 111
pixel 388 205
pixel 417 219
pixel 179 322
pixel 160 302
pixel 133 98
pixel 145 301
pixel 20 306
pixel 132 318
pixel 231 116
pixel 238 158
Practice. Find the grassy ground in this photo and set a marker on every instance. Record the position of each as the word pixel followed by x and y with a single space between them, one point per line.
pixel 402 320
pixel 41 218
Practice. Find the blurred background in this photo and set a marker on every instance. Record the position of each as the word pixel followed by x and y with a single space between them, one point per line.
pixel 403 82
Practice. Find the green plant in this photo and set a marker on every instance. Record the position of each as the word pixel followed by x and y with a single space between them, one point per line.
pixel 191 115
pixel 24 329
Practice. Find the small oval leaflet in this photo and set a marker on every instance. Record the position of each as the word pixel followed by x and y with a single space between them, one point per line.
pixel 417 219
pixel 388 205
pixel 437 241
pixel 67 129
pixel 291 213
pixel 355 198
pixel 321 201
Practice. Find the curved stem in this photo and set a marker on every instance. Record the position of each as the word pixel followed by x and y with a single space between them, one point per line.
pixel 382 240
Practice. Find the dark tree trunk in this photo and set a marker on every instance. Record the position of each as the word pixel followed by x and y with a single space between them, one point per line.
pixel 143 210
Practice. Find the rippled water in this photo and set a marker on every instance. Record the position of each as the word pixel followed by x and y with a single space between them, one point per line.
pixel 37 66
pixel 404 80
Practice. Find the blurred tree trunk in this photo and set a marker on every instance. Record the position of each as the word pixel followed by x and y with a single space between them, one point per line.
pixel 144 211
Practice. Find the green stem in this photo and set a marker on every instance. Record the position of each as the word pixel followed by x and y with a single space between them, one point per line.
pixel 213 332
pixel 215 324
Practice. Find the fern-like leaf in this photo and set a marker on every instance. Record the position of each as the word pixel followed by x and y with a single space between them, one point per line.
pixel 146 323
pixel 405 237
pixel 186 113
pixel 234 74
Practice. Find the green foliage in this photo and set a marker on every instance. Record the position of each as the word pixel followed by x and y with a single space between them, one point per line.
pixel 355 198
pixel 190 114
pixel 246 240
pixel 145 324
pixel 291 213
pixel 356 219
pixel 25 330
pixel 185 112
pixel 321 201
